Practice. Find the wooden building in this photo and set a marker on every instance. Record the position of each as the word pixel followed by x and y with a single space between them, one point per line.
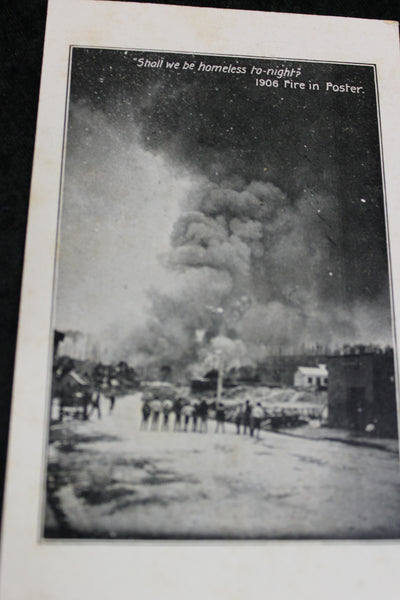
pixel 311 377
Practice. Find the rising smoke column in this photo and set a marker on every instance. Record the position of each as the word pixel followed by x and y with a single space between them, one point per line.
pixel 273 268
pixel 285 232
pixel 248 251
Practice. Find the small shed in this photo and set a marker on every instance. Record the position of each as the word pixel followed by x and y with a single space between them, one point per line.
pixel 311 377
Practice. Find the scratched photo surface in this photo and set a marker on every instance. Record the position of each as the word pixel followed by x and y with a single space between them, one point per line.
pixel 223 351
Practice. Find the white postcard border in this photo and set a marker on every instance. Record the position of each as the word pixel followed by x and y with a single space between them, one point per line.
pixel 33 569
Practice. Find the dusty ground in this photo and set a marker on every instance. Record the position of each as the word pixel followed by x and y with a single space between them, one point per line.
pixel 108 479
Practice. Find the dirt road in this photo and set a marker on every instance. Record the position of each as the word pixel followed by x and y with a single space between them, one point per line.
pixel 108 479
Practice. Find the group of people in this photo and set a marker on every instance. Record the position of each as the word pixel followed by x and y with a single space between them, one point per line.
pixel 249 418
pixel 194 413
pixel 193 416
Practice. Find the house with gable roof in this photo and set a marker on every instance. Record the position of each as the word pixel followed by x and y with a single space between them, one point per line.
pixel 311 377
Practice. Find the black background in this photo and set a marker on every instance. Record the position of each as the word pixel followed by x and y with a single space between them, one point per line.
pixel 22 36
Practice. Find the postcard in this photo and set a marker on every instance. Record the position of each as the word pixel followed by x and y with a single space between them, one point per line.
pixel 206 386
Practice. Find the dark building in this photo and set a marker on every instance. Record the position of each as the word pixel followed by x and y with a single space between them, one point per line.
pixel 58 337
pixel 361 392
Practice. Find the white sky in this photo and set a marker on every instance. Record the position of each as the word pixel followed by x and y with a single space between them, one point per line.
pixel 119 205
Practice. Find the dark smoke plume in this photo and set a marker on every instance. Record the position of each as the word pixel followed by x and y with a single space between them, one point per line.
pixel 254 267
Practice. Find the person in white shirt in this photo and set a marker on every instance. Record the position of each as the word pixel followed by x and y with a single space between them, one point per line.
pixel 258 415
pixel 187 413
pixel 167 406
pixel 156 408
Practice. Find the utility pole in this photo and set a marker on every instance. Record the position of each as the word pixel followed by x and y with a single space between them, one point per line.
pixel 218 310
pixel 220 380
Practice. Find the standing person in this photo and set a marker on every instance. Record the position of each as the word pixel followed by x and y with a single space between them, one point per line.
pixel 95 404
pixel 203 413
pixel 146 411
pixel 196 406
pixel 187 413
pixel 238 418
pixel 86 399
pixel 112 402
pixel 247 417
pixel 178 414
pixel 220 417
pixel 258 414
pixel 166 409
pixel 155 414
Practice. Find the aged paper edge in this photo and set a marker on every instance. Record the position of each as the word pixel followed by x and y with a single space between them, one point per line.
pixel 151 569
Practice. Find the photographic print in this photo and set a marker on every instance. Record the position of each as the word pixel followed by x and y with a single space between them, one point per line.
pixel 206 366
pixel 223 348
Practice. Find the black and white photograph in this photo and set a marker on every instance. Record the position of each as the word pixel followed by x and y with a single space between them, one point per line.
pixel 205 385
pixel 223 350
